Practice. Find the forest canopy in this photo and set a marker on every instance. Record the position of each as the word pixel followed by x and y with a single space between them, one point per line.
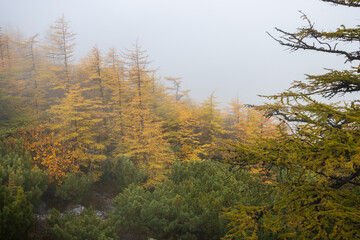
pixel 71 129
pixel 110 133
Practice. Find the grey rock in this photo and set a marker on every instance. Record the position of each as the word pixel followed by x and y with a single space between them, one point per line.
pixel 77 210
pixel 100 214
pixel 42 217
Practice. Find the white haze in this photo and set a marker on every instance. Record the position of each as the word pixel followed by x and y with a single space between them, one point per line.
pixel 219 46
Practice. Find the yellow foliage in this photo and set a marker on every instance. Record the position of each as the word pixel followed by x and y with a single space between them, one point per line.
pixel 50 152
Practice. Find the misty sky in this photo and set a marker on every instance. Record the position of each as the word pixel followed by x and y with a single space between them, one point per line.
pixel 219 46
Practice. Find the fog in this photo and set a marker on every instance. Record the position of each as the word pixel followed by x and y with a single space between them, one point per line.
pixel 219 46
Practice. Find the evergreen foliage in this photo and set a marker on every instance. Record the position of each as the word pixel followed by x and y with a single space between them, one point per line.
pixel 189 204
pixel 320 151
pixel 74 188
pixel 16 171
pixel 16 214
pixel 121 172
pixel 84 227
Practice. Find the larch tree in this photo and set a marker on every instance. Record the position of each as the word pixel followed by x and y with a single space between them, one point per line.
pixel 183 132
pixel 235 119
pixel 317 160
pixel 8 103
pixel 34 88
pixel 94 88
pixel 144 138
pixel 94 64
pixel 211 127
pixel 15 77
pixel 82 115
pixel 181 123
pixel 210 118
pixel 176 86
pixel 72 120
pixel 61 49
pixel 4 51
pixel 246 124
pixel 118 96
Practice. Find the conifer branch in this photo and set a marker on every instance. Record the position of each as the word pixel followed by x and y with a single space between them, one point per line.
pixel 296 42
pixel 342 181
pixel 349 3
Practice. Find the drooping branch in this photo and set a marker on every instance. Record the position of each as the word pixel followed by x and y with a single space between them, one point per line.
pixel 287 117
pixel 295 42
pixel 343 34
pixel 348 179
pixel 329 85
pixel 308 38
pixel 349 3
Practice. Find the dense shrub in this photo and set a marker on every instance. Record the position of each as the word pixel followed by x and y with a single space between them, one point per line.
pixel 16 216
pixel 189 204
pixel 84 227
pixel 74 187
pixel 129 207
pixel 121 172
pixel 16 171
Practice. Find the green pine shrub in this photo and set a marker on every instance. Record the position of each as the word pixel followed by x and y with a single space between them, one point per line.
pixel 84 227
pixel 189 204
pixel 121 172
pixel 16 171
pixel 16 214
pixel 74 187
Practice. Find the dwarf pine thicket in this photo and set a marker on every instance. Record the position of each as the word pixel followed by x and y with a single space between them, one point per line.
pixel 109 133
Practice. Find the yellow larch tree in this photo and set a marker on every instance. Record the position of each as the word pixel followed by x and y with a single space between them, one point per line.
pixel 144 137
pixel 71 120
pixel 245 123
pixel 118 97
pixel 211 128
pixel 16 75
pixel 60 50
pixel 86 112
pixel 95 91
pixel 4 51
pixel 31 85
pixel 181 123
pixel 35 87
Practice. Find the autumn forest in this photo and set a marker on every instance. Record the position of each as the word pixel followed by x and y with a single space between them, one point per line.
pixel 106 148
